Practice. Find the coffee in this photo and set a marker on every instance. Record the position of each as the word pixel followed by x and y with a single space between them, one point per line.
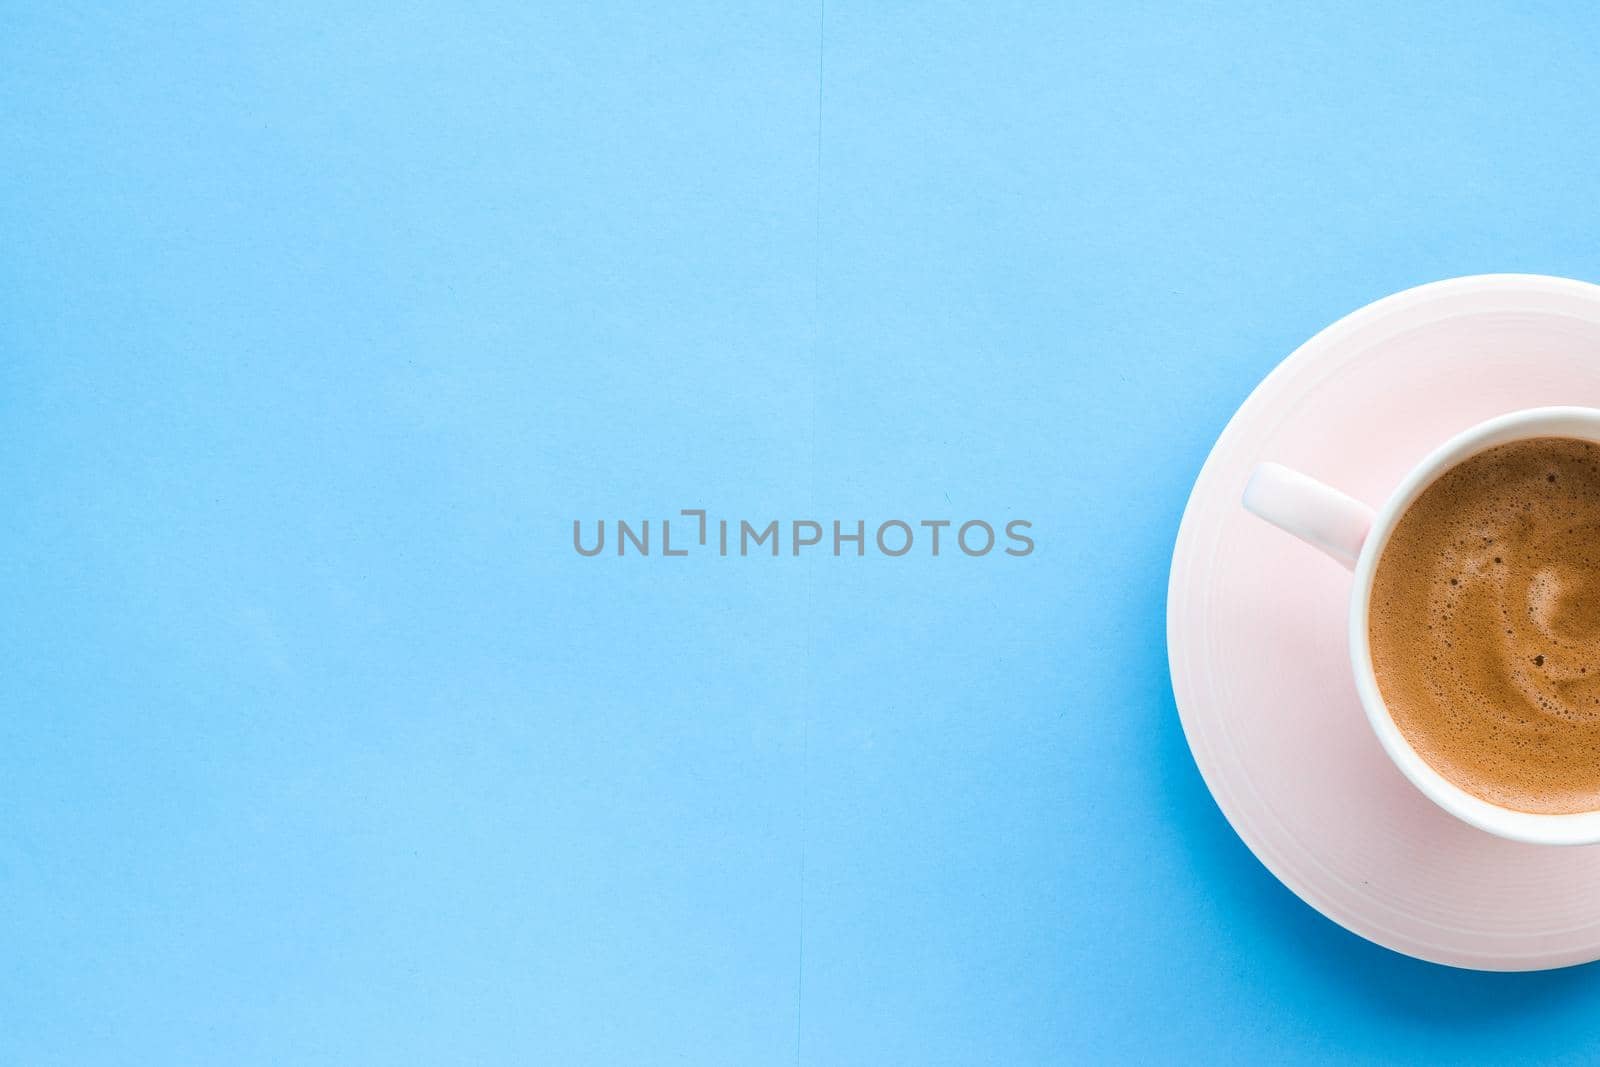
pixel 1485 625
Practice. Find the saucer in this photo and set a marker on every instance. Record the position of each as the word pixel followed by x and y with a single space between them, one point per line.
pixel 1256 626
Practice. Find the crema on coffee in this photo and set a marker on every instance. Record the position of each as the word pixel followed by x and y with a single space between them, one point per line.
pixel 1485 625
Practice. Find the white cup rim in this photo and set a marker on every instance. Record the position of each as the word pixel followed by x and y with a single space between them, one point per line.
pixel 1578 828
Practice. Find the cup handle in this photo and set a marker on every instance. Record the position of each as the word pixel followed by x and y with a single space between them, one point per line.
pixel 1317 514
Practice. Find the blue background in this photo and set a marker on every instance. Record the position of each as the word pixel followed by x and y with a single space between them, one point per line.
pixel 320 745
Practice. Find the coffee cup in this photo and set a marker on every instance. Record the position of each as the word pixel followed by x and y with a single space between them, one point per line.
pixel 1356 536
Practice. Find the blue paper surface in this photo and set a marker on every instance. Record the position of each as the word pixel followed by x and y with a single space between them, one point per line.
pixel 319 326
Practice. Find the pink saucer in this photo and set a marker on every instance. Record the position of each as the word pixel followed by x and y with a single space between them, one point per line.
pixel 1256 626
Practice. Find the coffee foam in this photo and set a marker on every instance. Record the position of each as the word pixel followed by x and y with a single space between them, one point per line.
pixel 1485 625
